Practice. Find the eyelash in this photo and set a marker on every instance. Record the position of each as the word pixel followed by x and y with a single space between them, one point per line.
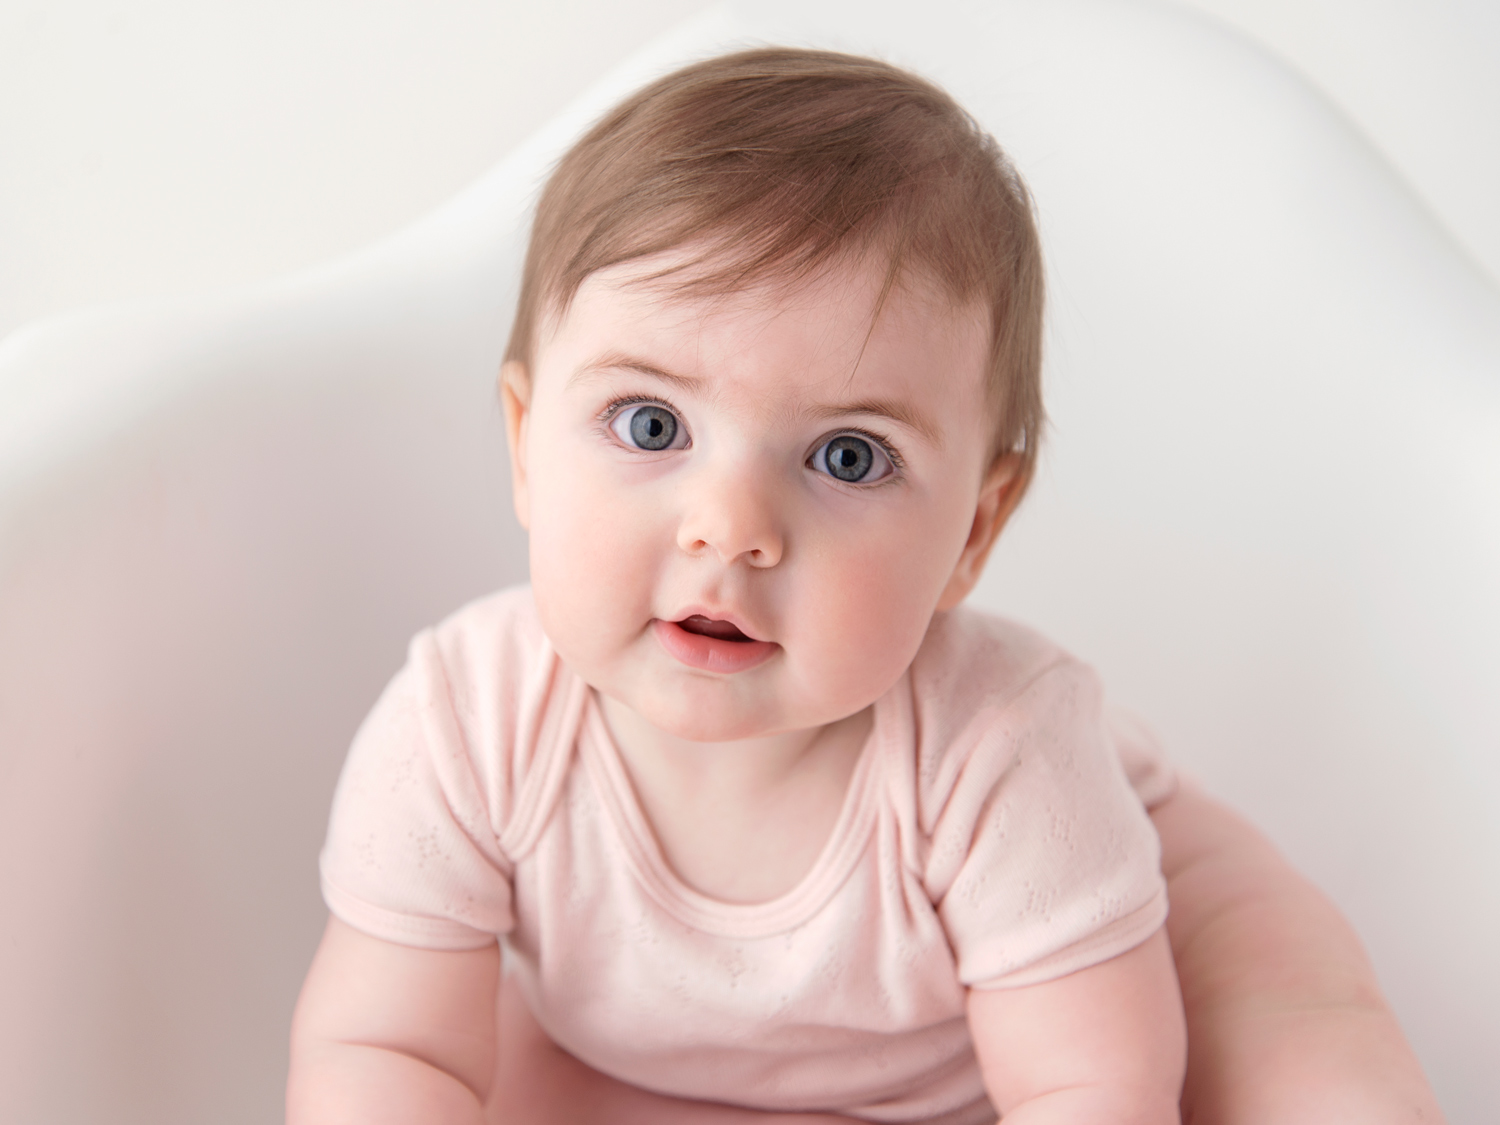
pixel 616 405
pixel 898 463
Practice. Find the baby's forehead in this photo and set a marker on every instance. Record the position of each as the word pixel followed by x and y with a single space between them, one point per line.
pixel 789 346
pixel 689 284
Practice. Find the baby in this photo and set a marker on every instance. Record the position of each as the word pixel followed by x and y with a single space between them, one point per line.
pixel 761 814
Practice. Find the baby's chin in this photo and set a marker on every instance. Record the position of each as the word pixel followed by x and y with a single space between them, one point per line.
pixel 702 717
pixel 697 720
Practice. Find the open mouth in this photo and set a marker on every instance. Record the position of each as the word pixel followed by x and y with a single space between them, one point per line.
pixel 708 627
pixel 711 645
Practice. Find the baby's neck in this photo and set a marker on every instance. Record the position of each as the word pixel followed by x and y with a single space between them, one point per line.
pixel 747 767
pixel 740 821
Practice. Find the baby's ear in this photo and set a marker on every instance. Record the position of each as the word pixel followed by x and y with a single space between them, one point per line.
pixel 999 493
pixel 515 397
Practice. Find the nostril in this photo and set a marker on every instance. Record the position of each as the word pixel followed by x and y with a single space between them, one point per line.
pixel 731 534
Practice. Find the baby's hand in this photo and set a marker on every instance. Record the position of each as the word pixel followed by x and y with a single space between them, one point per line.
pixel 1106 1044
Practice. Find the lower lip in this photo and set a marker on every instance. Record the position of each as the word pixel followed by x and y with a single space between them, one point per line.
pixel 710 654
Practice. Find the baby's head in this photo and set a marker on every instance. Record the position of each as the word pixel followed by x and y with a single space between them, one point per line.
pixel 773 386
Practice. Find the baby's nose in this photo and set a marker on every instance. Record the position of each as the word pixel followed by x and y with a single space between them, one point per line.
pixel 734 517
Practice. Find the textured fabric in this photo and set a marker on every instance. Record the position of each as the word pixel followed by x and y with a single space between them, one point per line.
pixel 989 838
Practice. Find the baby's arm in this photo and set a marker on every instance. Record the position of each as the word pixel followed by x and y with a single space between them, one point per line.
pixel 389 1033
pixel 1287 1022
pixel 1105 1044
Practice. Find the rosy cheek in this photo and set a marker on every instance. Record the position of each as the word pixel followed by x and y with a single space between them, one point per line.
pixel 591 555
pixel 865 615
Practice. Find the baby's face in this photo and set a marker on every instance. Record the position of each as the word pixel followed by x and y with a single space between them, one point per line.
pixel 745 510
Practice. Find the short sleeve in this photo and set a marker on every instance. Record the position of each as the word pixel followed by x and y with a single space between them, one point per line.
pixel 412 855
pixel 1043 859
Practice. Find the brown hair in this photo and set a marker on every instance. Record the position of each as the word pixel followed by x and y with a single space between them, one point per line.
pixel 780 160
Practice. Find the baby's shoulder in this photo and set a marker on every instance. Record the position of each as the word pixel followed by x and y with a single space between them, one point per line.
pixel 488 641
pixel 987 691
pixel 973 662
pixel 489 667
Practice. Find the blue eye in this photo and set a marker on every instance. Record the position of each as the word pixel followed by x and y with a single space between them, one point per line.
pixel 649 427
pixel 853 460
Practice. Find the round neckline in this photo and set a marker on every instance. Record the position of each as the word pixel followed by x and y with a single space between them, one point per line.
pixel 837 858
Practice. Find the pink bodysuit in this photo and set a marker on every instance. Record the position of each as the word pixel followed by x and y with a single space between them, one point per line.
pixel 990 838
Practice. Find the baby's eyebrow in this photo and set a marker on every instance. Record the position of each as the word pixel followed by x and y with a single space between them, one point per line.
pixel 617 361
pixel 896 411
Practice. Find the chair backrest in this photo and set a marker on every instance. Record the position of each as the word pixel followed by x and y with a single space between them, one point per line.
pixel 1269 509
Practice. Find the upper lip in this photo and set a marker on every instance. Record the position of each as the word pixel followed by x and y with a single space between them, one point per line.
pixel 716 615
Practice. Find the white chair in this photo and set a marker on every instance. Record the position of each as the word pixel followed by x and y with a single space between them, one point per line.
pixel 1269 510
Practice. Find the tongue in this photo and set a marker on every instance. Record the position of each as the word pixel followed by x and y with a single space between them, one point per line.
pixel 708 627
